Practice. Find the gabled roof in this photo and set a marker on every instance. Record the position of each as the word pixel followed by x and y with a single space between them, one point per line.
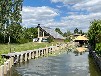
pixel 52 32
pixel 81 38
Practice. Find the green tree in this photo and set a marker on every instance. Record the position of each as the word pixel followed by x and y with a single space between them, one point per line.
pixel 59 31
pixel 80 32
pixel 1 37
pixel 10 13
pixel 67 40
pixel 13 31
pixel 50 39
pixel 94 33
pixel 30 33
pixel 76 30
pixel 98 48
pixel 27 35
pixel 66 34
pixel 5 8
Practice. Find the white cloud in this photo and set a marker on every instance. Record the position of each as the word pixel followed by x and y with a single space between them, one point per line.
pixel 91 5
pixel 59 6
pixel 76 21
pixel 35 15
pixel 67 1
pixel 81 20
pixel 46 15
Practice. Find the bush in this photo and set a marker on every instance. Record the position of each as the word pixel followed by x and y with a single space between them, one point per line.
pixel 23 40
pixel 1 61
pixel 94 33
pixel 98 48
pixel 67 40
pixel 50 39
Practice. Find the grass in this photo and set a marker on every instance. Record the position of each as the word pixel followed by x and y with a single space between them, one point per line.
pixel 5 48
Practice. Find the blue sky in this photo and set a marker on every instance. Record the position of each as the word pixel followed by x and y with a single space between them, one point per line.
pixel 64 14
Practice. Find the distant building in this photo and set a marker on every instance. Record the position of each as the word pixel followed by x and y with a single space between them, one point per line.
pixel 81 39
pixel 73 36
pixel 76 35
pixel 46 32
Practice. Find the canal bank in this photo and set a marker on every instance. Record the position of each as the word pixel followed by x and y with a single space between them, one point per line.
pixel 24 56
pixel 65 64
pixel 96 58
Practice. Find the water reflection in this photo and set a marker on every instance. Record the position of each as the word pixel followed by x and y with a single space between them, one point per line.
pixel 66 64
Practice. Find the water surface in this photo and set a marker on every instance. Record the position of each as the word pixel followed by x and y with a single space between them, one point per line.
pixel 65 64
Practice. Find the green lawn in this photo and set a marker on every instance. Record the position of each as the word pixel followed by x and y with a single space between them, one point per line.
pixel 5 48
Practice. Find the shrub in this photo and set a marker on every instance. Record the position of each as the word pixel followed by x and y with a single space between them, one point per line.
pixel 94 33
pixel 67 40
pixel 50 39
pixel 1 61
pixel 98 48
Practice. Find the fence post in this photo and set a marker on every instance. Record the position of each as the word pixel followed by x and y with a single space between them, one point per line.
pixel 29 55
pixel 8 66
pixel 2 70
pixel 25 56
pixel 12 60
pixel 32 54
pixel 21 58
pixel 5 67
pixel 37 55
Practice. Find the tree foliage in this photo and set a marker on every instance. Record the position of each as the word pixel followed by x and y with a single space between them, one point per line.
pixel 80 32
pixel 59 31
pixel 94 33
pixel 10 12
pixel 98 48
pixel 10 15
pixel 13 31
pixel 66 34
pixel 50 39
pixel 10 23
pixel 76 30
pixel 27 35
pixel 18 34
pixel 67 40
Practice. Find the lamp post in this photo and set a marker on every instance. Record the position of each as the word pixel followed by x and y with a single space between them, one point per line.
pixel 9 40
pixel 9 43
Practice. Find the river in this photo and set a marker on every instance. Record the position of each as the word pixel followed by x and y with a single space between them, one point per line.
pixel 65 64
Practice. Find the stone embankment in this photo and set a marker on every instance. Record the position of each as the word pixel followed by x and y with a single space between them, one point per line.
pixel 97 59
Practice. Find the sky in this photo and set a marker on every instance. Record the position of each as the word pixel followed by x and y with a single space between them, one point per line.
pixel 63 14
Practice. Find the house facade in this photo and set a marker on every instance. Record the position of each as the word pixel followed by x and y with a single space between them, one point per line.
pixel 46 32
